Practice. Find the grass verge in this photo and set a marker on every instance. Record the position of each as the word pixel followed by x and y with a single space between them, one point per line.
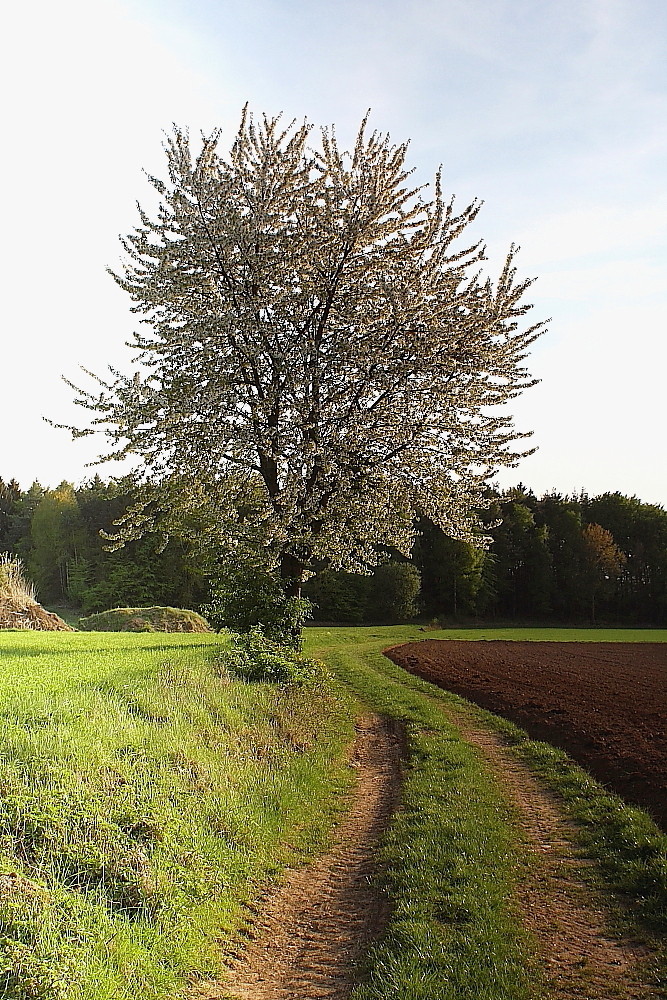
pixel 145 796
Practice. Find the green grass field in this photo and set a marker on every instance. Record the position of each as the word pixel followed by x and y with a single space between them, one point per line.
pixel 389 635
pixel 146 795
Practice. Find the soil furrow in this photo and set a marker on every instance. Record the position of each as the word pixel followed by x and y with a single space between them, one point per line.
pixel 604 703
pixel 309 934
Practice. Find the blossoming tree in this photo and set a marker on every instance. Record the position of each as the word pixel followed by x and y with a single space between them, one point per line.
pixel 311 322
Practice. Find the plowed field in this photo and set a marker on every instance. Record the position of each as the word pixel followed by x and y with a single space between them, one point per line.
pixel 604 703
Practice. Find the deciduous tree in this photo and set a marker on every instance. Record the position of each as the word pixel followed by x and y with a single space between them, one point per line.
pixel 604 561
pixel 311 320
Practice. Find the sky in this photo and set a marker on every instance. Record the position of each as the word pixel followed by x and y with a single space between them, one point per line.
pixel 554 113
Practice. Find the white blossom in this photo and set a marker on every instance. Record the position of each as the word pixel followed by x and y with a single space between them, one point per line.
pixel 309 318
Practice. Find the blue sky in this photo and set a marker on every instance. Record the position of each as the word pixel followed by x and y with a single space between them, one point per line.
pixel 552 112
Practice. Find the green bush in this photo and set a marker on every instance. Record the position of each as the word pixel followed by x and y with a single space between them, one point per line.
pixel 257 658
pixel 254 599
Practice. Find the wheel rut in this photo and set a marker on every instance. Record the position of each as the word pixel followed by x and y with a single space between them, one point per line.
pixel 308 935
pixel 581 957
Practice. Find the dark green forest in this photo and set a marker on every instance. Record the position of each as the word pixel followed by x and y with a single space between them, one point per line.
pixel 576 560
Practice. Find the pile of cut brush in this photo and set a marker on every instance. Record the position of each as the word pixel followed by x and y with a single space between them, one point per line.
pixel 18 607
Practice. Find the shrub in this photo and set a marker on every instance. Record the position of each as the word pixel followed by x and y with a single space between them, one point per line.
pixel 257 658
pixel 254 600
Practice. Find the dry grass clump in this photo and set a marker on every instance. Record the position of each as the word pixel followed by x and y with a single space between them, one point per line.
pixel 18 606
pixel 13 585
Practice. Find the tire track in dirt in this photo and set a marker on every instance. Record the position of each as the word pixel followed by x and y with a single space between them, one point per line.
pixel 309 934
pixel 581 958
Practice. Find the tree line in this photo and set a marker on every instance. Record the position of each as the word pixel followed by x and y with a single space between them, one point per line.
pixel 56 534
pixel 568 559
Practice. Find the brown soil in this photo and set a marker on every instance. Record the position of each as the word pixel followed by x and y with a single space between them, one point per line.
pixel 30 616
pixel 581 959
pixel 306 938
pixel 604 703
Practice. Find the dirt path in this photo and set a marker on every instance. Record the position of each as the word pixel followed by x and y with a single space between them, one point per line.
pixel 309 934
pixel 582 960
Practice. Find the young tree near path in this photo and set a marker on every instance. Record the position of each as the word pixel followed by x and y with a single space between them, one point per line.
pixel 311 324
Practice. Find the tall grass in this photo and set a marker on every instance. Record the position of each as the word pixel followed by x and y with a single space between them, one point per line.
pixel 14 587
pixel 145 795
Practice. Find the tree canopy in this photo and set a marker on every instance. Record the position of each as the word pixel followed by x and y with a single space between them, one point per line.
pixel 311 321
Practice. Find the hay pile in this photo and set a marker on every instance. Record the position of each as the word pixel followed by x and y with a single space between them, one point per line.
pixel 18 607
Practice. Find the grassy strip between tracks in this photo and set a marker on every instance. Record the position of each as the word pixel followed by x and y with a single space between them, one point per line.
pixel 450 856
pixel 630 850
pixel 143 797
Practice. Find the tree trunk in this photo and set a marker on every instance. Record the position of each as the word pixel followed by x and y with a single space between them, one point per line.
pixel 291 575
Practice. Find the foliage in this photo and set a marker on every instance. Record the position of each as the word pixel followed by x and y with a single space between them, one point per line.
pixel 57 534
pixel 389 594
pixel 57 541
pixel 9 496
pixel 604 561
pixel 124 583
pixel 313 324
pixel 249 598
pixel 452 571
pixel 395 591
pixel 145 620
pixel 537 566
pixel 542 562
pixel 522 561
pixel 338 596
pixel 257 658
